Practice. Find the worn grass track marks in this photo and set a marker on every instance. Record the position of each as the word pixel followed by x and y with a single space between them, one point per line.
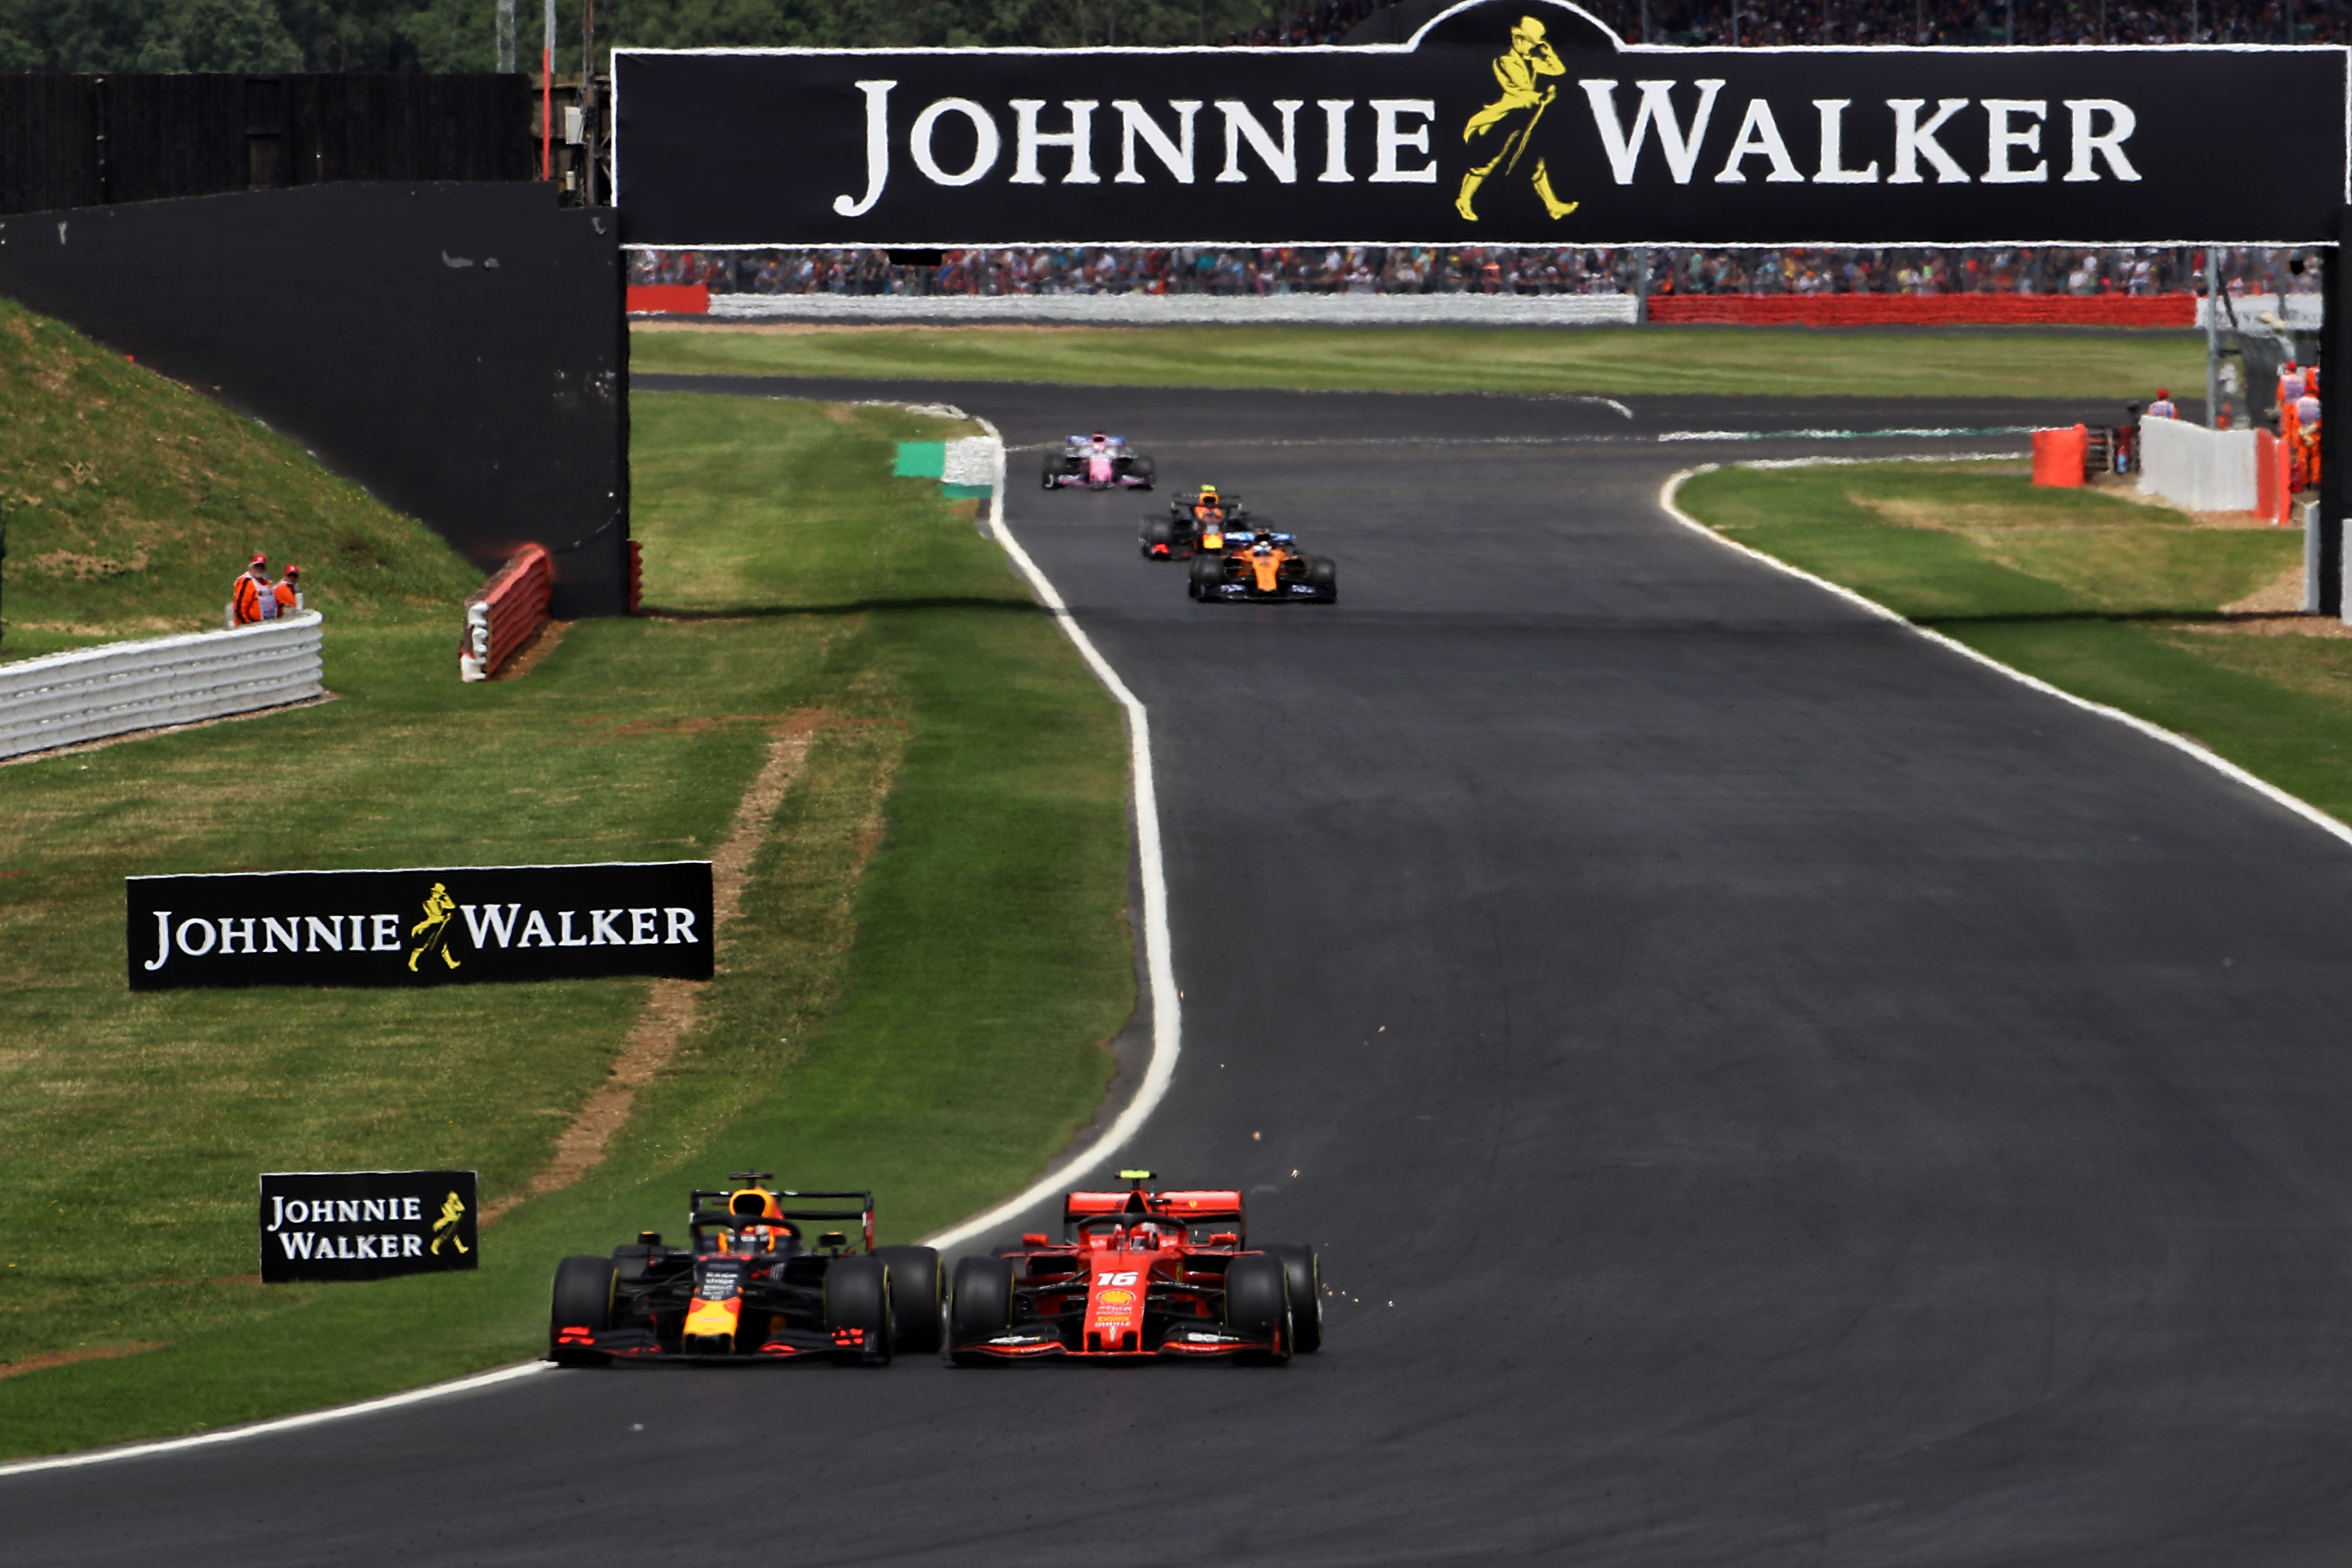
pixel 671 1005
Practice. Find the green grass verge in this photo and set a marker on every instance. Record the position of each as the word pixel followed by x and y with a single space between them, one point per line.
pixel 915 998
pixel 2115 602
pixel 132 503
pixel 1792 363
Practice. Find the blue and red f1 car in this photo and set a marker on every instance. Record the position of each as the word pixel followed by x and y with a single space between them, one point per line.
pixel 749 1287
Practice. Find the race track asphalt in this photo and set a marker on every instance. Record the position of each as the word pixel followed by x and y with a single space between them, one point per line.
pixel 1768 1091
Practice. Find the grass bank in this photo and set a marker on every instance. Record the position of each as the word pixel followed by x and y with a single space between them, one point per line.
pixel 131 504
pixel 1776 362
pixel 2139 607
pixel 913 998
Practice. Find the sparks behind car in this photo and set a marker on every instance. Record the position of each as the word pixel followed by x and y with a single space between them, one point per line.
pixel 1139 1274
pixel 746 1287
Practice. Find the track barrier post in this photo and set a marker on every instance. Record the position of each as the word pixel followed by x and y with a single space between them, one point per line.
pixel 2336 361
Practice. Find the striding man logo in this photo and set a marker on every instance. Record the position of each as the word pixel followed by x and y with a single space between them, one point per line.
pixel 1498 135
pixel 453 1209
pixel 434 929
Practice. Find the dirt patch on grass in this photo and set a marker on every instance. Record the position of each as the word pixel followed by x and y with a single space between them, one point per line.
pixel 525 660
pixel 48 1359
pixel 2281 596
pixel 671 1005
pixel 2003 517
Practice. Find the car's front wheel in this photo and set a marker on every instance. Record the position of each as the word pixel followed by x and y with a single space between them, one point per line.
pixel 1303 1275
pixel 981 1307
pixel 1257 1302
pixel 917 1299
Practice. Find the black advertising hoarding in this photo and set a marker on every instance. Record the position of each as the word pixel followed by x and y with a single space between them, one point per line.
pixel 366 1225
pixel 450 926
pixel 1503 121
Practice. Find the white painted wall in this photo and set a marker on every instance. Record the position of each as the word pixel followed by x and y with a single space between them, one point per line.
pixel 88 693
pixel 2197 468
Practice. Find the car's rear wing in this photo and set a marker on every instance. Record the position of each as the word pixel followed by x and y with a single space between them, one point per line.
pixel 1191 1209
pixel 700 1218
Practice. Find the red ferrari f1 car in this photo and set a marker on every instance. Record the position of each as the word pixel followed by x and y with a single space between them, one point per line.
pixel 749 1287
pixel 1099 462
pixel 1139 1274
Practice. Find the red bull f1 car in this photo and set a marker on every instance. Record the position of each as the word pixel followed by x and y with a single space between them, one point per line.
pixel 1099 462
pixel 1264 567
pixel 1195 522
pixel 749 1286
pixel 1138 1275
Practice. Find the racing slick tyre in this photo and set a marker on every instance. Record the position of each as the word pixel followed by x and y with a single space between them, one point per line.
pixel 918 1299
pixel 1257 1302
pixel 1143 468
pixel 1156 535
pixel 582 1299
pixel 857 1301
pixel 1208 571
pixel 1053 473
pixel 982 1306
pixel 1323 573
pixel 1303 1272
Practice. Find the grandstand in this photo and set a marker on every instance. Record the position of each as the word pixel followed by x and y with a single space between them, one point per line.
pixel 1424 270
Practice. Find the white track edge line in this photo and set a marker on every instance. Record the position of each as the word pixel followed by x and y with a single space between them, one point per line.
pixel 2180 743
pixel 280 1422
pixel 1166 1022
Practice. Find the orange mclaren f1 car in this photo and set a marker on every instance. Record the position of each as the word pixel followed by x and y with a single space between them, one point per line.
pixel 1263 566
pixel 1139 1274
pixel 750 1287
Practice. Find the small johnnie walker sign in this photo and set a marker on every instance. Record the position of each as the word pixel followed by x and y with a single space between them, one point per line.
pixel 366 1225
pixel 431 927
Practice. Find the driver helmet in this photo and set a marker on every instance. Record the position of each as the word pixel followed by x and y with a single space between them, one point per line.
pixel 1208 495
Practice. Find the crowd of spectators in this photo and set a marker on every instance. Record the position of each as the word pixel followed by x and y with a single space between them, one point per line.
pixel 1424 270
pixel 1715 23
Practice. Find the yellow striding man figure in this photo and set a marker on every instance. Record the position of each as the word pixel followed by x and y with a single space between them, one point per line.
pixel 1500 133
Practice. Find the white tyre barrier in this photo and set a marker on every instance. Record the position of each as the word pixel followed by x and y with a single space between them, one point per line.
pixel 2200 469
pixel 88 693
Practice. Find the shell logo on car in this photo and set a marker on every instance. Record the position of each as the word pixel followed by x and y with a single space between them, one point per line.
pixel 1115 1300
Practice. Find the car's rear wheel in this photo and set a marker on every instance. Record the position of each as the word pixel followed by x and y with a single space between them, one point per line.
pixel 1145 470
pixel 1156 535
pixel 1303 1274
pixel 583 1300
pixel 1257 1302
pixel 917 1299
pixel 1323 573
pixel 981 1307
pixel 857 1298
pixel 629 1261
pixel 1052 472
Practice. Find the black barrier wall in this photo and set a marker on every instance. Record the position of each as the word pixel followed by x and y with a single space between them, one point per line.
pixel 459 350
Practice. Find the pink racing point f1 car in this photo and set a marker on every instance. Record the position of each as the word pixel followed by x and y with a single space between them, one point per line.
pixel 1137 1274
pixel 1099 462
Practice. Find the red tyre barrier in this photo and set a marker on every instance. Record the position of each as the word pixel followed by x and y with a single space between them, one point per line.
pixel 669 299
pixel 503 613
pixel 2058 455
pixel 637 575
pixel 1925 309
